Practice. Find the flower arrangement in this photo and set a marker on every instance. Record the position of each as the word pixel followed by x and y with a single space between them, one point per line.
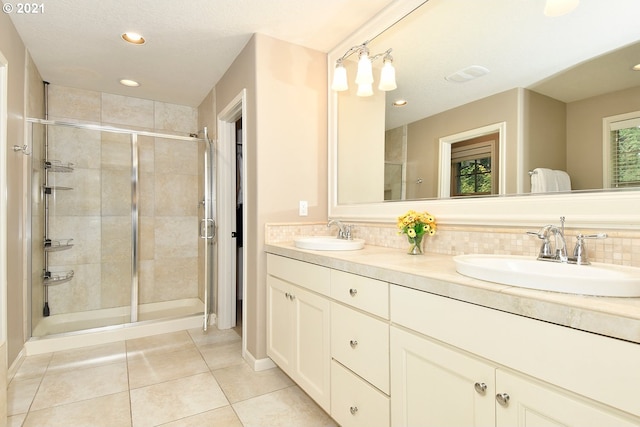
pixel 415 225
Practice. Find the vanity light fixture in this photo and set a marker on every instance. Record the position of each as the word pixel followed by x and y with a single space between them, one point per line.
pixel 364 76
pixel 133 38
pixel 130 83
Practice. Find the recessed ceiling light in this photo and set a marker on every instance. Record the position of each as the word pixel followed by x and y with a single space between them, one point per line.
pixel 133 38
pixel 400 103
pixel 130 83
pixel 636 67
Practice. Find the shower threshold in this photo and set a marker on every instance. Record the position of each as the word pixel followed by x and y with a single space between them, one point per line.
pixel 80 321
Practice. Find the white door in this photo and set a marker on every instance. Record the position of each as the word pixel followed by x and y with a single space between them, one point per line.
pixel 226 214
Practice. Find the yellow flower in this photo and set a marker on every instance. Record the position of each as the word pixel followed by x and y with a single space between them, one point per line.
pixel 414 224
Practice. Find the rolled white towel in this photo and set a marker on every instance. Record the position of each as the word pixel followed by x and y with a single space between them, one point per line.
pixel 543 180
pixel 563 180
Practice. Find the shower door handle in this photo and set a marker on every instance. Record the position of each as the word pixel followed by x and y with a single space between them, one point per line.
pixel 207 228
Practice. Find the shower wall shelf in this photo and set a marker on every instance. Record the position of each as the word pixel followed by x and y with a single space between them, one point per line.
pixel 57 278
pixel 58 166
pixel 51 190
pixel 52 245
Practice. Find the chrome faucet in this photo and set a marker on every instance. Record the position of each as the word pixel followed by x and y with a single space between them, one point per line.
pixel 344 231
pixel 559 251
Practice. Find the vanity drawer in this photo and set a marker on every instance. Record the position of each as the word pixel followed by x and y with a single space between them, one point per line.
pixel 361 292
pixel 310 276
pixel 354 403
pixel 361 343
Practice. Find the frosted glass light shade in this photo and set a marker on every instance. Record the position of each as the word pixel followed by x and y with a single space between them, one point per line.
pixel 365 89
pixel 340 79
pixel 387 77
pixel 555 8
pixel 365 71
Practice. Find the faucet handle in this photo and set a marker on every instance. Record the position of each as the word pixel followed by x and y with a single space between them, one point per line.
pixel 580 251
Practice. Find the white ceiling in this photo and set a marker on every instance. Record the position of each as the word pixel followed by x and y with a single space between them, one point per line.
pixel 521 47
pixel 190 44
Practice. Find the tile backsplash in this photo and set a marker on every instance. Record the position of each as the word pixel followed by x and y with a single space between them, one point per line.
pixel 620 247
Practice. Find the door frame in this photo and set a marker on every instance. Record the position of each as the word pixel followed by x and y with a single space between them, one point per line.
pixel 226 184
pixel 4 75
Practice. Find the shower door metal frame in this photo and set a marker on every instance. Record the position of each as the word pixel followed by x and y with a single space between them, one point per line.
pixel 135 197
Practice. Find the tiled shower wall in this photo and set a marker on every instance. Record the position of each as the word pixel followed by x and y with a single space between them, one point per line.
pixel 96 213
pixel 620 247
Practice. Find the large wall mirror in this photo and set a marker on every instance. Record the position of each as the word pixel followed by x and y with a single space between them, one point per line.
pixel 546 83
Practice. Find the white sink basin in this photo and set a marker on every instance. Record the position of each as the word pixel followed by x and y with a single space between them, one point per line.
pixel 328 243
pixel 527 272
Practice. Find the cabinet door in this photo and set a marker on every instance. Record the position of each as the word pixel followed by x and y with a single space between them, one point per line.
pixel 533 403
pixel 312 345
pixel 280 324
pixel 435 385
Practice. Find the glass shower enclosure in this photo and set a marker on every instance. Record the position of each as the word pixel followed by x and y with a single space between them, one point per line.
pixel 122 227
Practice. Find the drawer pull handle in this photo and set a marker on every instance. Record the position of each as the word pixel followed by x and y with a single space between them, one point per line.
pixel 503 399
pixel 481 388
pixel 353 292
pixel 353 410
pixel 353 343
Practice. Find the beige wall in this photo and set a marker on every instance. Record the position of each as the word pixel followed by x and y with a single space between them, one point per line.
pixel 584 134
pixel 13 50
pixel 544 134
pixel 363 155
pixel 286 126
pixel 423 139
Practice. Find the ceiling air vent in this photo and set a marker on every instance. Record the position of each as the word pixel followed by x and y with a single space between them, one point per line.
pixel 466 74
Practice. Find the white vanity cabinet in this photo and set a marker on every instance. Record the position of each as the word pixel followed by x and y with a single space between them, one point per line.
pixel 434 385
pixel 359 350
pixel 455 363
pixel 298 324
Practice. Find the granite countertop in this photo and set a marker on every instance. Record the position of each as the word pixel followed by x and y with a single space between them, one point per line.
pixel 436 273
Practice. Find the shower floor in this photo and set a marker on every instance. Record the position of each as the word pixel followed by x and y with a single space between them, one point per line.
pixel 72 322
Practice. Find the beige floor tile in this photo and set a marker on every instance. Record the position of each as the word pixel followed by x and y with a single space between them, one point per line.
pixel 213 335
pixel 87 357
pixel 20 394
pixel 176 399
pixel 220 356
pixel 240 382
pixel 33 366
pixel 157 368
pixel 287 407
pixel 155 344
pixel 80 384
pixel 108 411
pixel 221 417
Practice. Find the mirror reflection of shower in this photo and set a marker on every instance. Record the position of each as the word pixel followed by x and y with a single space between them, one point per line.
pixel 117 220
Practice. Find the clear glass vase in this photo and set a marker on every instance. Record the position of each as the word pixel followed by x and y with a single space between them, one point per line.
pixel 415 245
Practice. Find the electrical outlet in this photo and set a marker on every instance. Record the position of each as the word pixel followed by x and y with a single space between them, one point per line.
pixel 303 208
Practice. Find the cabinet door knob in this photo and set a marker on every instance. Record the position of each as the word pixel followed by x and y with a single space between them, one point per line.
pixel 353 410
pixel 502 398
pixel 353 343
pixel 292 297
pixel 481 388
pixel 353 292
pixel 287 295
